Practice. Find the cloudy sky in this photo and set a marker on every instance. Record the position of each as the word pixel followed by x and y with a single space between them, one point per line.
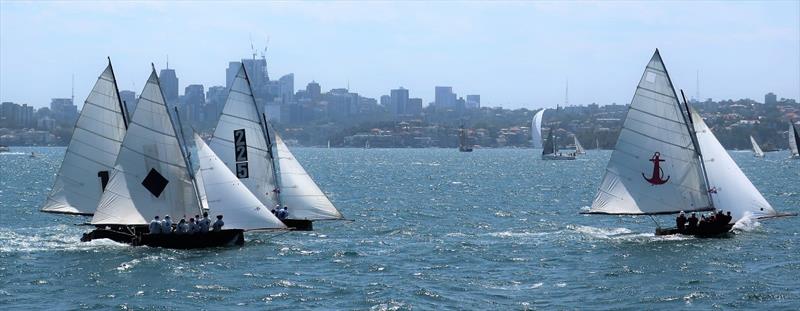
pixel 515 54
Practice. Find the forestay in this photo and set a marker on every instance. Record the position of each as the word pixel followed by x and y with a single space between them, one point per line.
pixel 92 151
pixel 240 141
pixel 756 149
pixel 536 129
pixel 731 190
pixel 299 192
pixel 150 176
pixel 228 196
pixel 655 132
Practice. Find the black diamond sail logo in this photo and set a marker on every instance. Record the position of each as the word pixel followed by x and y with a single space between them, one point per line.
pixel 155 183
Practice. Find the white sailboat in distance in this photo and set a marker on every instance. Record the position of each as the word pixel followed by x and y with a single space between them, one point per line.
pixel 756 149
pixel 536 129
pixel 794 141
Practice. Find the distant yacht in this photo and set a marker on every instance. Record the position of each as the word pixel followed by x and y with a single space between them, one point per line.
pixel 4 148
pixel 536 129
pixel 756 149
pixel 578 147
pixel 666 160
pixel 463 141
pixel 551 152
pixel 794 140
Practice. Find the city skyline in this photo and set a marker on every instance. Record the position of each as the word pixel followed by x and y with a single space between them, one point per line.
pixel 515 55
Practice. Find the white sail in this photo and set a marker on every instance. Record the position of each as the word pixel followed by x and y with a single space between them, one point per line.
pixel 578 147
pixel 150 176
pixel 92 151
pixel 536 129
pixel 229 197
pixel 756 149
pixel 731 190
pixel 240 141
pixel 654 129
pixel 299 192
pixel 794 140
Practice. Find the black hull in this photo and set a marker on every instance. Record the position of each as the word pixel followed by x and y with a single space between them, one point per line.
pixel 233 237
pixel 299 225
pixel 710 231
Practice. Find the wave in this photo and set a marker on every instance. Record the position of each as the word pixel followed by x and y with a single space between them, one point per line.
pixel 747 223
pixel 57 238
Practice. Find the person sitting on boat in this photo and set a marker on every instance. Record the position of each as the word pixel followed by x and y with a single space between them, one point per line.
pixel 218 224
pixel 193 227
pixel 183 227
pixel 166 225
pixel 155 225
pixel 283 213
pixel 728 217
pixel 680 221
pixel 693 221
pixel 204 223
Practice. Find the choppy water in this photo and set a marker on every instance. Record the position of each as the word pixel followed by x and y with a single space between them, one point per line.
pixel 433 229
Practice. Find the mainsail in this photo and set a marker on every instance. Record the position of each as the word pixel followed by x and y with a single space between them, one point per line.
pixel 536 129
pixel 730 189
pixel 756 149
pixel 91 153
pixel 655 167
pixel 241 141
pixel 549 144
pixel 229 197
pixel 578 147
pixel 298 191
pixel 150 176
pixel 794 140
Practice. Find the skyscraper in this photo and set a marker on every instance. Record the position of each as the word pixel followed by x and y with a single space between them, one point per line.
pixel 414 107
pixel 398 101
pixel 230 72
pixel 169 85
pixel 313 90
pixel 444 97
pixel 770 99
pixel 287 88
pixel 129 98
pixel 194 99
pixel 473 102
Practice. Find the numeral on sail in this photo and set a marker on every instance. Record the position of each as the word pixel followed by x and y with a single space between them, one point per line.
pixel 241 170
pixel 240 145
pixel 103 179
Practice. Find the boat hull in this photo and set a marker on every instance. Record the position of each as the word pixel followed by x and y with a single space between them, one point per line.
pixel 230 237
pixel 299 224
pixel 709 231
pixel 557 157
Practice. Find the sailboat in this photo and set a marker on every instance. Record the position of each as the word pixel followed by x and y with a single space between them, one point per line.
pixel 551 152
pixel 666 160
pixel 756 149
pixel 578 147
pixel 92 150
pixel 153 176
pixel 463 141
pixel 244 142
pixel 536 129
pixel 794 141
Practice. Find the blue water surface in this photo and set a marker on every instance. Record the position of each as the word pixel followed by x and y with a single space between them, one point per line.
pixel 432 229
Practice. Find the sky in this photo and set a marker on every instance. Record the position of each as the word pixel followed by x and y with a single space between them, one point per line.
pixel 514 54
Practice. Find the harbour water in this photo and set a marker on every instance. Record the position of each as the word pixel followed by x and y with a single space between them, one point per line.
pixel 432 229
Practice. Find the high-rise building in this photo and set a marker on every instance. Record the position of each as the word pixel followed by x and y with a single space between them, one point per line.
pixel 414 107
pixel 194 99
pixel 398 101
pixel 287 88
pixel 215 101
pixel 169 85
pixel 473 102
pixel 313 90
pixel 256 71
pixel 129 98
pixel 444 97
pixel 64 111
pixel 230 72
pixel 386 101
pixel 770 99
pixel 8 114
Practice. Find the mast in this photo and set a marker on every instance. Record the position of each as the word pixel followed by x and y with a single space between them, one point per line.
pixel 265 131
pixel 122 106
pixel 693 134
pixel 181 145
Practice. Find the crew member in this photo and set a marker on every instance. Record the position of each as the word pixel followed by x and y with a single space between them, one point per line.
pixel 680 221
pixel 166 225
pixel 693 221
pixel 204 223
pixel 283 213
pixel 218 224
pixel 183 227
pixel 155 225
pixel 193 227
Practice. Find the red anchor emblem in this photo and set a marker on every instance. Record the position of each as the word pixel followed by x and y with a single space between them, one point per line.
pixel 657 171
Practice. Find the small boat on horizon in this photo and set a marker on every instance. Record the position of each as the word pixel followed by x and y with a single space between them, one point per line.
pixel 756 149
pixel 463 140
pixel 794 141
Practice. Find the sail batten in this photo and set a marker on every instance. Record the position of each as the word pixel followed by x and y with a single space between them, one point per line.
pixel 93 149
pixel 655 167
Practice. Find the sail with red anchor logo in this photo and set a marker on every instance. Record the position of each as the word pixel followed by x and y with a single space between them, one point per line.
pixel 655 167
